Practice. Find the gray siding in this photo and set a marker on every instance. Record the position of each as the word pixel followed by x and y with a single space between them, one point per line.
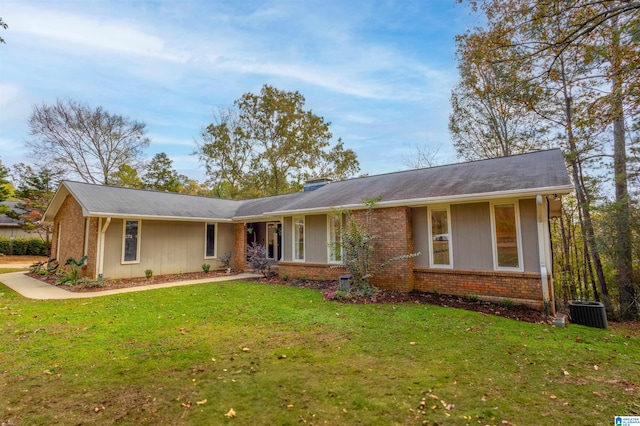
pixel 287 236
pixel 166 247
pixel 315 238
pixel 421 236
pixel 529 229
pixel 471 235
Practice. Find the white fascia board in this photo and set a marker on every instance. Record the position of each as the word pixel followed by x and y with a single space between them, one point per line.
pixel 414 202
pixel 168 218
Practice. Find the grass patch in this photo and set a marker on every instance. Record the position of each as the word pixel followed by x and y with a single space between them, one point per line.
pixel 282 355
pixel 6 270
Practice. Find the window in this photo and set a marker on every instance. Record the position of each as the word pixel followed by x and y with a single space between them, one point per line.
pixel 210 240
pixel 506 236
pixel 440 237
pixel 334 238
pixel 298 238
pixel 131 241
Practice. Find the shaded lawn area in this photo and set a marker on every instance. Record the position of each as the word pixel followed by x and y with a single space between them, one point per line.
pixel 283 355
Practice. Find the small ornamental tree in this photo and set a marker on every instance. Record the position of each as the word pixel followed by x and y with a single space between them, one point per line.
pixel 358 247
pixel 257 258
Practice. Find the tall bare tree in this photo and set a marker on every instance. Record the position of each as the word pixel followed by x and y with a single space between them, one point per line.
pixel 88 143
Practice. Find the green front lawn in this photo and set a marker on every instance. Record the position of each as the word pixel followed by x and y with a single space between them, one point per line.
pixel 284 356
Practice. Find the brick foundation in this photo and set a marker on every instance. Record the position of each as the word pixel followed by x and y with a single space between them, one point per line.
pixel 312 271
pixel 522 288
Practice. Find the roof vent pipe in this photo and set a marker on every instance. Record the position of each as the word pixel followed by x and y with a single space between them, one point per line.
pixel 314 184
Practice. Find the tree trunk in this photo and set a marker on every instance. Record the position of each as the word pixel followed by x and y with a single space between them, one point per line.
pixel 586 225
pixel 623 249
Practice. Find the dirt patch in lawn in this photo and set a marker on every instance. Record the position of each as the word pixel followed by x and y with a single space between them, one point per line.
pixel 21 260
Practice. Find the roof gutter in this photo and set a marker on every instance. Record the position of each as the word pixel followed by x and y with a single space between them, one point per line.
pixel 147 217
pixel 415 202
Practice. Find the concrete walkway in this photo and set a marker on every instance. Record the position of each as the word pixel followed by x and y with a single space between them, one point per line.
pixel 36 289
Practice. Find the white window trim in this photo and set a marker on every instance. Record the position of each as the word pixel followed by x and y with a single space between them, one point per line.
pixel 293 238
pixel 494 241
pixel 124 234
pixel 329 217
pixel 430 232
pixel 215 240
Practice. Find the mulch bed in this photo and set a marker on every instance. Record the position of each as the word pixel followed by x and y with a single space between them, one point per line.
pixel 127 282
pixel 521 313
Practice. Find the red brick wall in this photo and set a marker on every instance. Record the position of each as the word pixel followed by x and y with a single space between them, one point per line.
pixel 238 262
pixel 72 236
pixel 394 228
pixel 520 287
pixel 312 271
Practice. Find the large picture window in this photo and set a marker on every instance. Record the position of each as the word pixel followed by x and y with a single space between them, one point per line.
pixel 210 240
pixel 131 241
pixel 335 238
pixel 440 237
pixel 506 236
pixel 298 238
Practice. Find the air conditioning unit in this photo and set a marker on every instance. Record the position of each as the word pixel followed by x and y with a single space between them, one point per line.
pixel 591 314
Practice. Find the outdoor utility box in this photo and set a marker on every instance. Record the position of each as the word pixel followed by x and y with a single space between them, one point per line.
pixel 591 314
pixel 345 282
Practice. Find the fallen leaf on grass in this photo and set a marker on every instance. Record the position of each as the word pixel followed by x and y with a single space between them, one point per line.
pixel 47 372
pixel 595 367
pixel 553 397
pixel 231 413
pixel 204 401
pixel 565 372
pixel 412 343
pixel 186 404
pixel 282 356
pixel 289 405
pixel 245 349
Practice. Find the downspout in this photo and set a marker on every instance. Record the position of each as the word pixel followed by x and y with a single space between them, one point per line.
pixel 101 237
pixel 542 254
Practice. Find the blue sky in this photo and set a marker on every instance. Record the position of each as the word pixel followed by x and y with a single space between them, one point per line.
pixel 380 71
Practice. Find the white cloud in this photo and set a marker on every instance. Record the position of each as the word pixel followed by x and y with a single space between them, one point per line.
pixel 117 36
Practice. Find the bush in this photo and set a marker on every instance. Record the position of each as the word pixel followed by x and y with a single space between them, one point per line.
pixel 206 267
pixel 257 258
pixel 148 273
pixel 5 245
pixel 19 247
pixel 36 247
pixel 23 246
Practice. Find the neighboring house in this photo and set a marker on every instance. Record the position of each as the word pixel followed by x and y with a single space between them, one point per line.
pixel 12 228
pixel 481 227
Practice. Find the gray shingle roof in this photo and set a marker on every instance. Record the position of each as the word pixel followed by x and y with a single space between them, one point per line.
pixel 7 221
pixel 117 201
pixel 542 171
pixel 533 171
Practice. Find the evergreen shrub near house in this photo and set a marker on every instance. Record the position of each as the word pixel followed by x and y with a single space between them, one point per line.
pixel 23 246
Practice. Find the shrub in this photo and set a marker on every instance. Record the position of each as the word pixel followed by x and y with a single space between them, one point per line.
pixel 206 267
pixel 507 303
pixel 22 246
pixel 257 258
pixel 285 277
pixel 148 273
pixel 36 247
pixel 71 275
pixel 472 297
pixel 5 245
pixel 19 247
pixel 226 259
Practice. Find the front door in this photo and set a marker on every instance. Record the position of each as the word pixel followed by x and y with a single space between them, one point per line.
pixel 273 240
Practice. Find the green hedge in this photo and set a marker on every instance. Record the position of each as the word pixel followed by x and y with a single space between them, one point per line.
pixel 23 246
